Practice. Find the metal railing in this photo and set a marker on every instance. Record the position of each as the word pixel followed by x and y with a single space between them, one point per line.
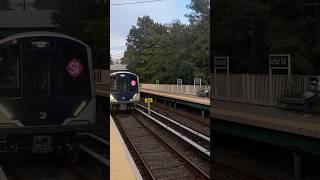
pixel 258 88
pixel 101 76
pixel 174 88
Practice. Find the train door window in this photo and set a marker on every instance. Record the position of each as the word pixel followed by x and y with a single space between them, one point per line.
pixel 74 67
pixel 40 74
pixel 122 84
pixel 10 70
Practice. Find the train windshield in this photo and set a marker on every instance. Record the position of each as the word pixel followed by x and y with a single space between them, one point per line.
pixel 9 70
pixel 55 66
pixel 75 68
pixel 124 82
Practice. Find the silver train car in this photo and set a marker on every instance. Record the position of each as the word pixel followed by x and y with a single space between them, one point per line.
pixel 46 91
pixel 124 90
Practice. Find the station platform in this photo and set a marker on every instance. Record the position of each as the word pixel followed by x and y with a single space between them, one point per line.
pixel 122 165
pixel 183 97
pixel 268 124
pixel 268 117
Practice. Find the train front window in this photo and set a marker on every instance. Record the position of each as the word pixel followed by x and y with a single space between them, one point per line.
pixel 75 68
pixel 127 83
pixel 40 74
pixel 9 70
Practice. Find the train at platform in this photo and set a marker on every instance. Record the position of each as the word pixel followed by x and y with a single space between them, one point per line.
pixel 46 92
pixel 124 91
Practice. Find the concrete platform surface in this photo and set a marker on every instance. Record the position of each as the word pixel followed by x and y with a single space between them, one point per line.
pixel 184 97
pixel 267 117
pixel 122 165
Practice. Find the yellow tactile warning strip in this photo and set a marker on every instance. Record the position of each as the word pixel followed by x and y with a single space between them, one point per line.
pixel 305 128
pixel 122 166
pixel 190 98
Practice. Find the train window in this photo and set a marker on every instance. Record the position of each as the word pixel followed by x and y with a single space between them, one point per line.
pixel 9 70
pixel 122 84
pixel 127 83
pixel 74 67
pixel 40 75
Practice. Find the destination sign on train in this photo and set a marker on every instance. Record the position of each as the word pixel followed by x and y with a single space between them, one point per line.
pixel 148 100
pixel 41 44
pixel 221 61
pixel 279 60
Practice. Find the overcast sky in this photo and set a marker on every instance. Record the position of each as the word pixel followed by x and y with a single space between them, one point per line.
pixel 125 16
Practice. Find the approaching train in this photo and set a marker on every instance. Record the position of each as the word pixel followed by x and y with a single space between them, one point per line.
pixel 124 90
pixel 46 91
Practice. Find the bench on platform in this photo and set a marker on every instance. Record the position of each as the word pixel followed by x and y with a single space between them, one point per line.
pixel 291 103
pixel 295 104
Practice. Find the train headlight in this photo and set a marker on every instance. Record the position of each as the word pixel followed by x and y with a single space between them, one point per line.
pixel 79 108
pixel 5 112
pixel 112 98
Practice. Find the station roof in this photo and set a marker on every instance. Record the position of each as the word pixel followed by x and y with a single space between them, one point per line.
pixel 118 67
pixel 26 19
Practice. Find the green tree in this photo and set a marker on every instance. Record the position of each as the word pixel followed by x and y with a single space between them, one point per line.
pixel 4 4
pixel 249 30
pixel 45 4
pixel 166 52
pixel 86 20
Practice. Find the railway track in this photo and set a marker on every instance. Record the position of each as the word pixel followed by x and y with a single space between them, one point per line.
pixel 193 121
pixel 3 176
pixel 202 123
pixel 196 139
pixel 157 158
pixel 96 147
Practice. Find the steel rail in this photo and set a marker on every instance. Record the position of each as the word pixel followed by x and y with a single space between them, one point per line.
pixel 95 155
pixel 199 134
pixel 172 149
pixel 2 174
pixel 178 134
pixel 100 139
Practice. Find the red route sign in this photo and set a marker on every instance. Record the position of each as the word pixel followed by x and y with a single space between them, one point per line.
pixel 133 83
pixel 74 68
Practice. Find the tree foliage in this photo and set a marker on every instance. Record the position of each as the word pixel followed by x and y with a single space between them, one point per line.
pixel 4 4
pixel 167 52
pixel 249 30
pixel 87 21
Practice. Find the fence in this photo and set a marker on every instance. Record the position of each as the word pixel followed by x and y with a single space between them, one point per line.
pixel 101 76
pixel 174 88
pixel 258 89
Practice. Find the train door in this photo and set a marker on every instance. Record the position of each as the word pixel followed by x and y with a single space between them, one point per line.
pixel 39 57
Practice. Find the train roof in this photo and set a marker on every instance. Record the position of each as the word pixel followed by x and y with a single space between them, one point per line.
pixel 123 72
pixel 39 33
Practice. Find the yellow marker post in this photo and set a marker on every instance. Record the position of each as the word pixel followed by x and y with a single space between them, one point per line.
pixel 148 100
